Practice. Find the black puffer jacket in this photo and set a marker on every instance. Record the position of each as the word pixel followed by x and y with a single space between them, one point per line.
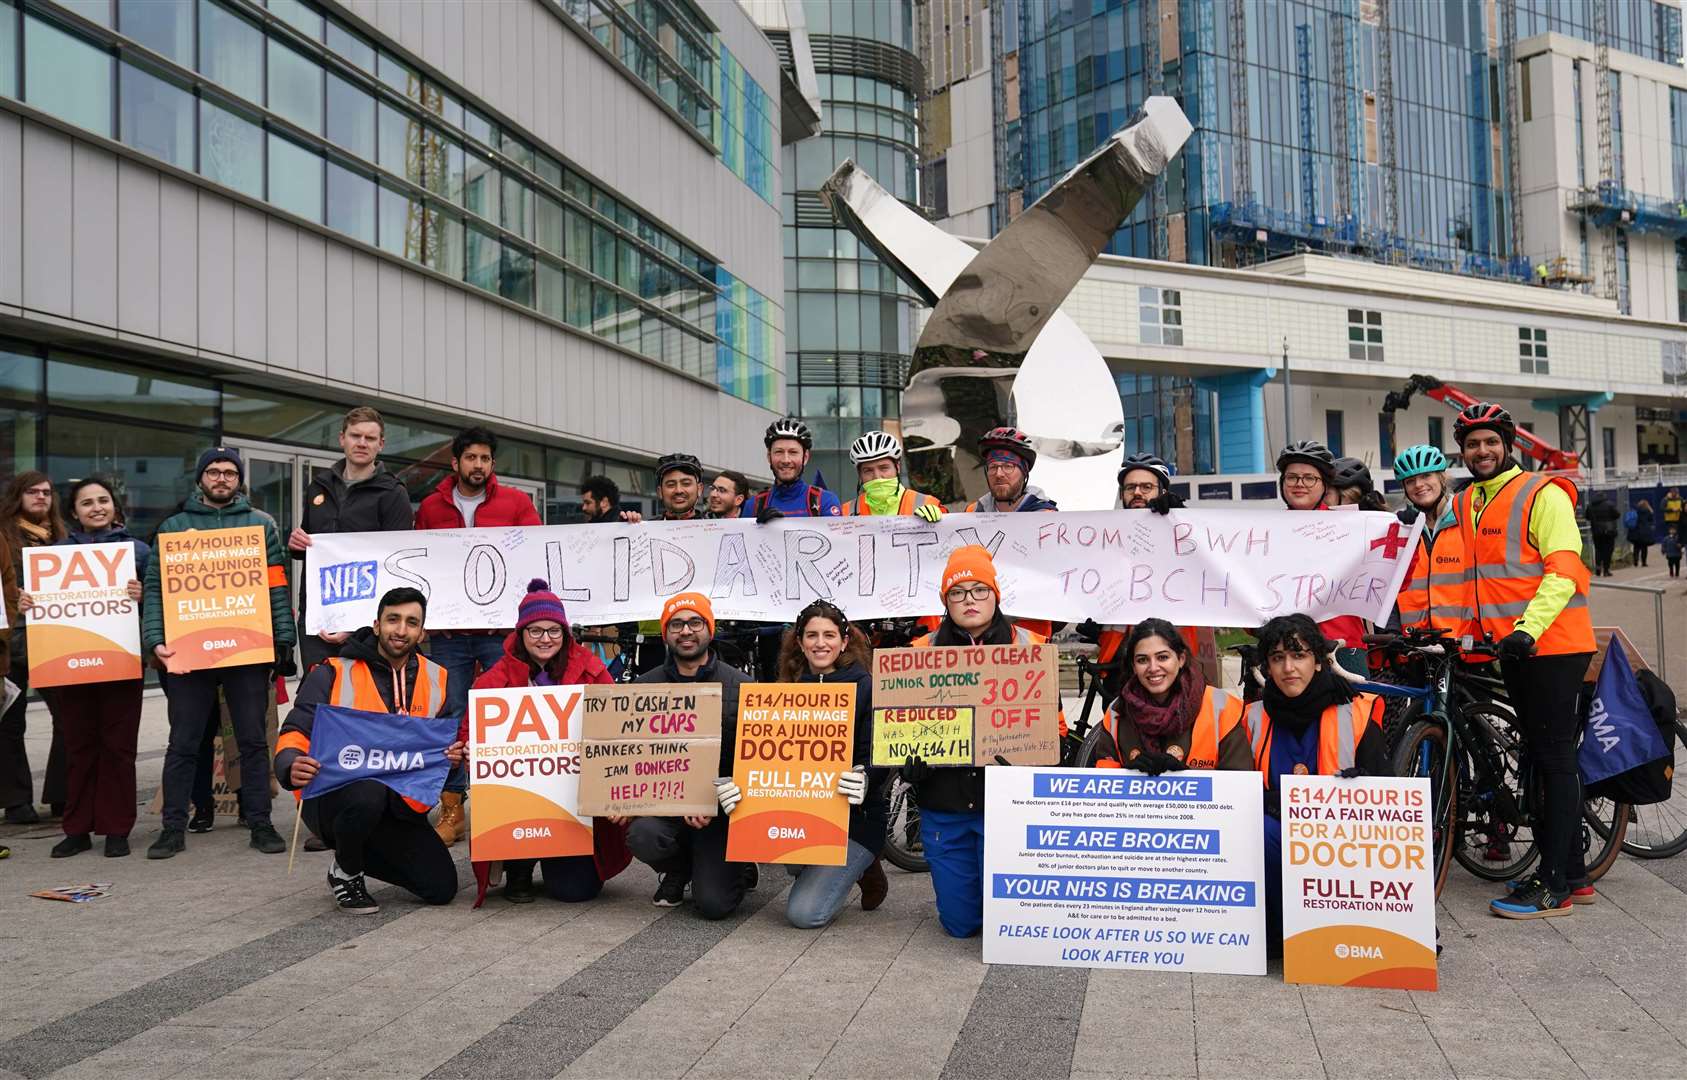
pixel 867 822
pixel 957 789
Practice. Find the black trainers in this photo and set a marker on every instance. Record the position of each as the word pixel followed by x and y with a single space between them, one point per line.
pixel 170 842
pixel 23 814
pixel 267 840
pixel 352 895
pixel 72 845
pixel 116 847
pixel 752 877
pixel 202 820
pixel 1535 900
pixel 670 891
pixel 518 886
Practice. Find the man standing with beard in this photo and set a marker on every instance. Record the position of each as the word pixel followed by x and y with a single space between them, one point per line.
pixel 469 497
pixel 789 444
pixel 728 493
pixel 29 517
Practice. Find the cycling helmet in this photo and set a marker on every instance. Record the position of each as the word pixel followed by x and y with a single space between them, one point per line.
pixel 686 463
pixel 1012 440
pixel 788 427
pixel 1484 414
pixel 1350 472
pixel 873 446
pixel 1417 460
pixel 1150 462
pixel 1309 452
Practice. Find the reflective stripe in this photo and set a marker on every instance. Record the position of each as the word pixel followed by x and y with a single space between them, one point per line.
pixel 436 679
pixel 1345 742
pixel 1452 579
pixel 1254 715
pixel 1514 609
pixel 344 693
pixel 1413 616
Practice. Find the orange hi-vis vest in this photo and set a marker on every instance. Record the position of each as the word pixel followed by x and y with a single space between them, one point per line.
pixel 1021 636
pixel 1220 712
pixel 911 500
pixel 1507 567
pixel 1339 731
pixel 354 688
pixel 1435 592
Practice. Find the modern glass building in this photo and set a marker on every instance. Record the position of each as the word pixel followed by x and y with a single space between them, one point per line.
pixel 231 220
pixel 847 318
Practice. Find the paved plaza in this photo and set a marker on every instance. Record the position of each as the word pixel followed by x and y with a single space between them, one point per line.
pixel 219 964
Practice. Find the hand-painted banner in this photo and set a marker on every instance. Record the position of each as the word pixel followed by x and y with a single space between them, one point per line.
pixel 651 749
pixel 793 739
pixel 1194 567
pixel 1358 882
pixel 82 626
pixel 936 734
pixel 524 767
pixel 214 585
pixel 1013 691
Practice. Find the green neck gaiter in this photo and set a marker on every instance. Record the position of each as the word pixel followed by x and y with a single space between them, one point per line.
pixel 882 494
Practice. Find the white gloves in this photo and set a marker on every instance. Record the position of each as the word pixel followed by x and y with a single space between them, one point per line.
pixel 928 512
pixel 852 785
pixel 727 792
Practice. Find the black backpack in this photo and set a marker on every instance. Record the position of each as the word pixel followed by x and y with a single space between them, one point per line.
pixel 1651 782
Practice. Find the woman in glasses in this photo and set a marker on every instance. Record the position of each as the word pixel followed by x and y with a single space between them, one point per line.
pixel 951 800
pixel 542 652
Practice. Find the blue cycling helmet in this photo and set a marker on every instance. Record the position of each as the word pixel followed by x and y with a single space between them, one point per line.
pixel 1417 460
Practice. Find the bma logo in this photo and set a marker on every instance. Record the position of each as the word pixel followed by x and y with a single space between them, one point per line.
pixel 531 832
pixel 1600 727
pixel 786 832
pixel 344 582
pixel 351 757
pixel 1359 952
pixel 354 757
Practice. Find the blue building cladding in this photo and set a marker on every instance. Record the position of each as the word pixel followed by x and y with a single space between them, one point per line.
pixel 747 132
pixel 747 324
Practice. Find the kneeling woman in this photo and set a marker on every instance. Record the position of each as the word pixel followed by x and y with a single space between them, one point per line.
pixel 1308 721
pixel 1166 717
pixel 542 652
pixel 823 647
pixel 951 800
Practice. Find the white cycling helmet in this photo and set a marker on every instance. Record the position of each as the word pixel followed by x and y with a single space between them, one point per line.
pixel 873 446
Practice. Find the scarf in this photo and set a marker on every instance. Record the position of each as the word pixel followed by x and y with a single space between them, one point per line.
pixel 31 534
pixel 1157 722
pixel 882 495
pixel 1295 713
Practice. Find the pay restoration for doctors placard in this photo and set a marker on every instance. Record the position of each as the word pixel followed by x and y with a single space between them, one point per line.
pixel 1115 869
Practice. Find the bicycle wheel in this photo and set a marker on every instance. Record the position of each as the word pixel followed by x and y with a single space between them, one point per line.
pixel 1604 823
pixel 1495 833
pixel 1659 830
pixel 1423 752
pixel 902 833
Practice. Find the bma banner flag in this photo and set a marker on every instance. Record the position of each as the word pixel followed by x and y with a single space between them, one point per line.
pixel 1621 734
pixel 406 753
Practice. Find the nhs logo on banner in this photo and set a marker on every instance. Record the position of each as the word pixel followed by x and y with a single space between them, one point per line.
pixel 406 753
pixel 343 582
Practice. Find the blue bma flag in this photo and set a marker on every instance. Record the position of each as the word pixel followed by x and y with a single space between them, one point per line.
pixel 1621 734
pixel 406 753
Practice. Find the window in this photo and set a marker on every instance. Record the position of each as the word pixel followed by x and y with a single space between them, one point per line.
pixel 351 202
pixel 1161 316
pixel 164 26
pixel 480 187
pixel 295 178
pixel 1622 272
pixel 1531 351
pixel 483 253
pixel 1608 445
pixel 231 51
pixel 231 149
pixel 1385 437
pixel 1681 278
pixel 300 15
pixel 8 49
pixel 518 207
pixel 552 289
pixel 122 389
pixel 153 463
pixel 1437 431
pixel 549 225
pixel 1364 335
pixel 515 275
pixel 1333 431
pixel 295 87
pixel 157 116
pixel 1675 362
pixel 352 46
pixel 351 118
pixel 66 76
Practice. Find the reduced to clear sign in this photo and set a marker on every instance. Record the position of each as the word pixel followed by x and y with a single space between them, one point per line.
pixel 936 734
pixel 1108 868
pixel 1012 690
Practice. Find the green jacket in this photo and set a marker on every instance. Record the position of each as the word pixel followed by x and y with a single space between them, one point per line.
pixel 196 515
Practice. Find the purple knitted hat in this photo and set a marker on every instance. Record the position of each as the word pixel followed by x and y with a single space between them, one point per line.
pixel 540 605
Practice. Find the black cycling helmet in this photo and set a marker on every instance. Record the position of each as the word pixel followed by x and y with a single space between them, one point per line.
pixel 1484 414
pixel 1151 462
pixel 1350 472
pixel 685 463
pixel 1310 452
pixel 788 427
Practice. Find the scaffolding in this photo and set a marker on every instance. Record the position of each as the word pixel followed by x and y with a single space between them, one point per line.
pixel 1243 161
pixel 1611 206
pixel 1607 157
pixel 1154 67
pixel 1303 72
pixel 1388 148
pixel 1513 120
pixel 1339 110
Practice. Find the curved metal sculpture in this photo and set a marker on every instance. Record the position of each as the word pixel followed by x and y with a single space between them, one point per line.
pixel 997 349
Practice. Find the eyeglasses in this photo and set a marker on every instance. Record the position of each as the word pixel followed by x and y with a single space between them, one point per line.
pixel 544 633
pixel 968 592
pixel 221 474
pixel 1300 480
pixel 687 626
pixel 1140 489
pixel 1002 466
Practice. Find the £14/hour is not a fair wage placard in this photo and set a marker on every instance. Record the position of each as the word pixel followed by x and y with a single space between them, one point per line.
pixel 793 740
pixel 214 585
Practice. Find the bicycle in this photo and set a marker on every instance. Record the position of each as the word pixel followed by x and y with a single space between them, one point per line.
pixel 1657 830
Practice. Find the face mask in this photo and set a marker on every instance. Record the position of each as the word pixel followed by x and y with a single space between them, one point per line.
pixel 882 494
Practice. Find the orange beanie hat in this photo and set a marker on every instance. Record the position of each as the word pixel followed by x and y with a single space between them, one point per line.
pixel 689 601
pixel 967 564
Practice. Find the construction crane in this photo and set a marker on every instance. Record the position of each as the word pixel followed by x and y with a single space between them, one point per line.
pixel 1154 68
pixel 1549 457
pixel 1513 121
pixel 1607 154
pixel 1389 144
pixel 1243 144
pixel 1303 73
pixel 1339 109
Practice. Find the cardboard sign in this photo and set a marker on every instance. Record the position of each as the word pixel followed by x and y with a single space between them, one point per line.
pixel 214 584
pixel 82 626
pixel 1358 882
pixel 793 740
pixel 1110 868
pixel 650 750
pixel 1013 690
pixel 936 734
pixel 524 767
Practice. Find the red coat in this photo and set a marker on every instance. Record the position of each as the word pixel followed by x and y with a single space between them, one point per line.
pixel 503 506
pixel 609 841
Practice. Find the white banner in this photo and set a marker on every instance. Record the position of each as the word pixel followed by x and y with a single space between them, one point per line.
pixel 1106 868
pixel 1358 882
pixel 1193 567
